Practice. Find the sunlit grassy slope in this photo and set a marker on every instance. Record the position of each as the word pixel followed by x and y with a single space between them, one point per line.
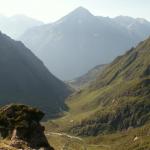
pixel 118 100
pixel 86 79
pixel 120 95
pixel 131 139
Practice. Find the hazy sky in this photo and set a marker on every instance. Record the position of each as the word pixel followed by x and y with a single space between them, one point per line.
pixel 51 10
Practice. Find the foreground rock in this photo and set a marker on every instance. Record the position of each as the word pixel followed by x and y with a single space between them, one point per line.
pixel 20 128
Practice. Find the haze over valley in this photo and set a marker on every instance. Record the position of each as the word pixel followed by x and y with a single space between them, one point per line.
pixel 74 75
pixel 79 41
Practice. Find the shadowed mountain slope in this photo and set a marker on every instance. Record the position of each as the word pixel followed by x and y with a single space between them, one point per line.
pixel 25 79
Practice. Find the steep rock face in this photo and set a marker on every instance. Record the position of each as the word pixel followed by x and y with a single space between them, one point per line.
pixel 20 125
pixel 25 79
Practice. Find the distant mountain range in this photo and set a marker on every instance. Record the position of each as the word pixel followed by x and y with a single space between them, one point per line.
pixel 79 41
pixel 25 79
pixel 16 25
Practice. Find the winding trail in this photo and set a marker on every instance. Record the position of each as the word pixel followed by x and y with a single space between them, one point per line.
pixel 66 145
pixel 77 140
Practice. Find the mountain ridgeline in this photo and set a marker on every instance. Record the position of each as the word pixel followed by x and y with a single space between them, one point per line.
pixel 86 79
pixel 80 41
pixel 15 26
pixel 119 97
pixel 25 79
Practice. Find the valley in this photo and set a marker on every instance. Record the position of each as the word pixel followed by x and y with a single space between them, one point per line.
pixel 78 82
pixel 125 140
pixel 108 113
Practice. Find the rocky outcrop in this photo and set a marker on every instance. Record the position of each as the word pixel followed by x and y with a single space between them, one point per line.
pixel 20 124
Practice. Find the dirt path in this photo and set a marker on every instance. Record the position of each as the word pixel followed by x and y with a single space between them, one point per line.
pixel 77 140
pixel 66 145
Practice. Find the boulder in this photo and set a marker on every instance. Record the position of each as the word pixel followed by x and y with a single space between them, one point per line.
pixel 21 125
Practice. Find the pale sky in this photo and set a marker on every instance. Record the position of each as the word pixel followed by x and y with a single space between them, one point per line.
pixel 52 10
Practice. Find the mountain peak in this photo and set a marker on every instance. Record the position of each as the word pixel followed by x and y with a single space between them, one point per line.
pixel 78 15
pixel 81 11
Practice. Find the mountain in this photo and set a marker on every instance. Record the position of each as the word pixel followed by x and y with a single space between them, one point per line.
pixel 86 79
pixel 80 41
pixel 139 26
pixel 117 100
pixel 16 25
pixel 25 79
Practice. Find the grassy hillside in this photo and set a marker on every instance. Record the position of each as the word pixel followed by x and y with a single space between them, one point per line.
pixel 117 100
pixel 120 95
pixel 86 79
pixel 131 139
pixel 114 111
